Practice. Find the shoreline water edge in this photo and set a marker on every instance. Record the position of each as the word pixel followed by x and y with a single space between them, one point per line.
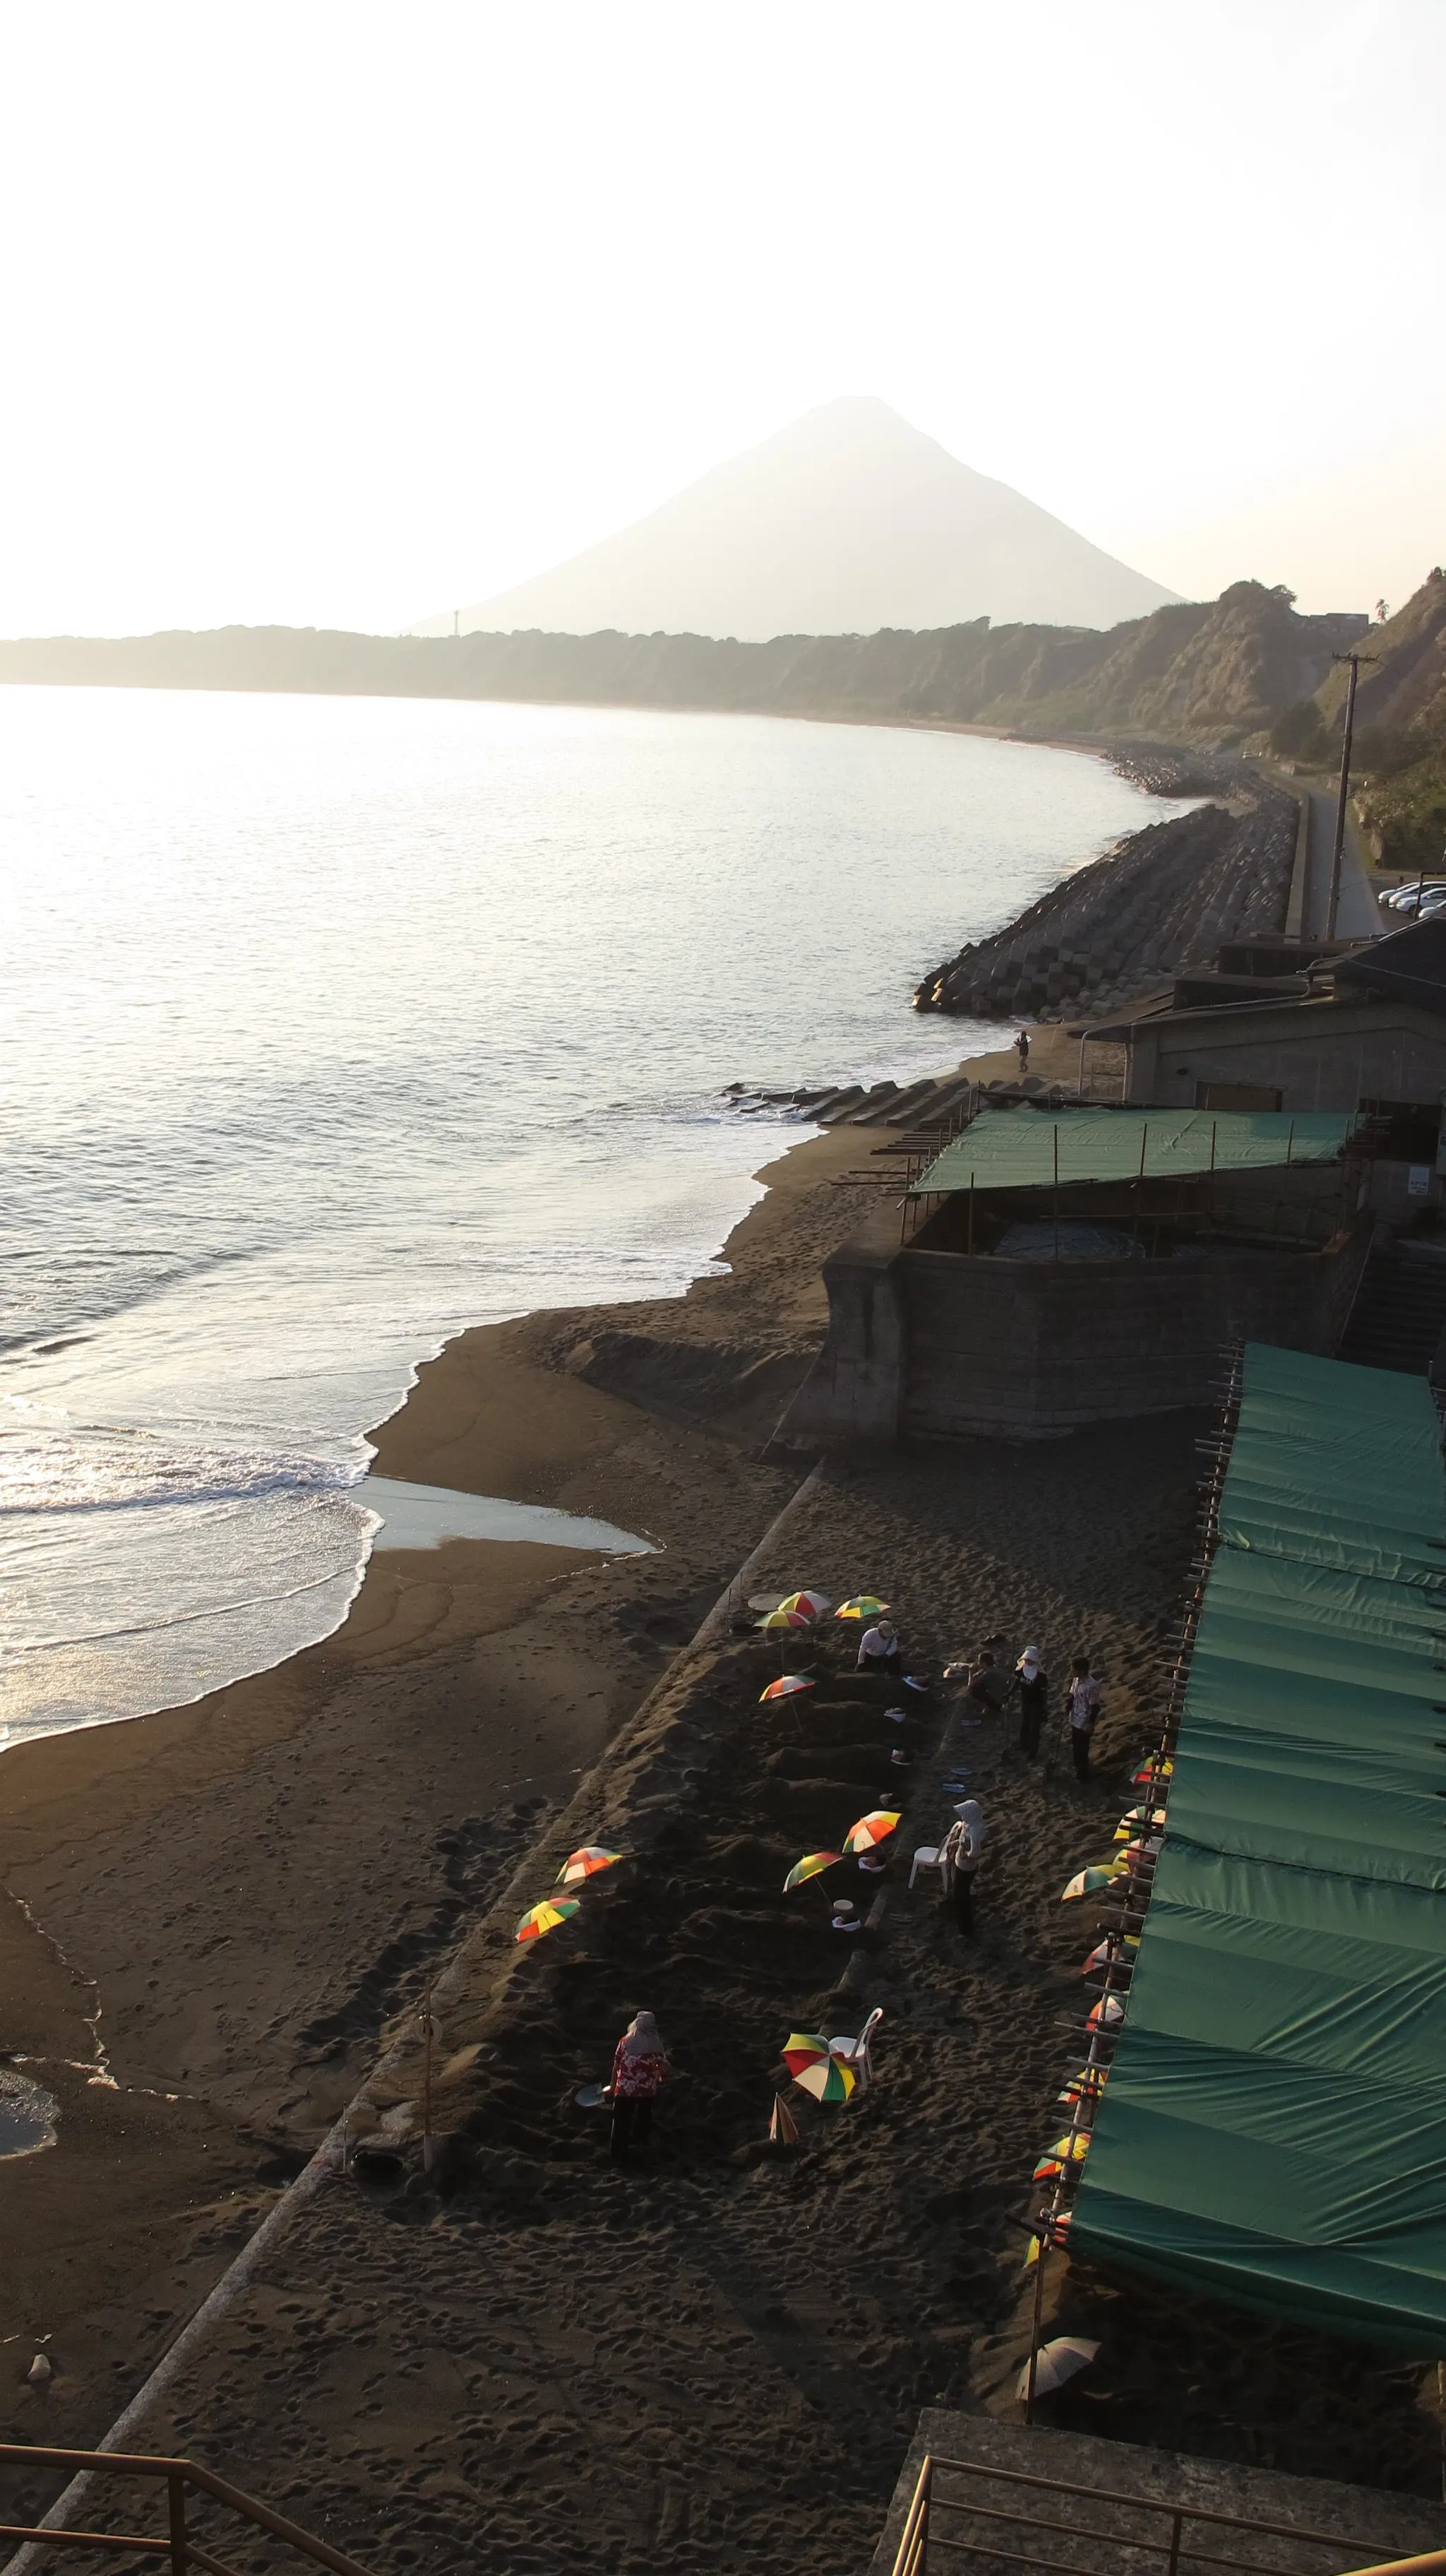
pixel 218 1920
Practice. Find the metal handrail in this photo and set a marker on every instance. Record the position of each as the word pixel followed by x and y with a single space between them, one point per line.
pixel 918 2535
pixel 179 2547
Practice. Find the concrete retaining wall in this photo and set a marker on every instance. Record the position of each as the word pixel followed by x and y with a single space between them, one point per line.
pixel 936 1345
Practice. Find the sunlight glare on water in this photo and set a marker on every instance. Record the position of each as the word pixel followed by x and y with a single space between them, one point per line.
pixel 331 1025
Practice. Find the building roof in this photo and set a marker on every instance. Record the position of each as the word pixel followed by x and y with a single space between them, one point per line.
pixel 1274 2126
pixel 1014 1149
pixel 1407 966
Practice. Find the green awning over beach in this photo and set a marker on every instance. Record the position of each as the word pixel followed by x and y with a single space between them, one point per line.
pixel 1013 1149
pixel 1274 2126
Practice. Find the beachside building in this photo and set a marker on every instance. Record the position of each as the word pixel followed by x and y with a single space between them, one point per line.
pixel 1061 1265
pixel 1360 1029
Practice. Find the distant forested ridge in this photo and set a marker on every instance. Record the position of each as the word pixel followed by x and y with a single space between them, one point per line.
pixel 1210 673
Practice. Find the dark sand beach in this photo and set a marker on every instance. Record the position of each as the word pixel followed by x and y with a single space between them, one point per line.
pixel 715 2358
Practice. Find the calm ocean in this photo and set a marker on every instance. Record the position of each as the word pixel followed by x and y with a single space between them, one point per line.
pixel 329 1026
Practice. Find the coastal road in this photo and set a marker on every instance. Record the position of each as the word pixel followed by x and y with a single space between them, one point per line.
pixel 1358 915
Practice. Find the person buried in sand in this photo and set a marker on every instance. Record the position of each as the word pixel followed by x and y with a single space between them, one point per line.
pixel 640 2063
pixel 880 1651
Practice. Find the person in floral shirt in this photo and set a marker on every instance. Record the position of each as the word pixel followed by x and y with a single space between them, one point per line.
pixel 640 2063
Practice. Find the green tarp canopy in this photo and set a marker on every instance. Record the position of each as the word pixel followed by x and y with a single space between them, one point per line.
pixel 1274 2126
pixel 1013 1149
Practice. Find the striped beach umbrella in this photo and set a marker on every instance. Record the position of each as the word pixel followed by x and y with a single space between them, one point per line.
pixel 1073 2147
pixel 828 2079
pixel 871 1830
pixel 785 1619
pixel 1107 2014
pixel 862 1606
pixel 546 1917
pixel 803 2048
pixel 1086 2085
pixel 1152 1771
pixel 812 1604
pixel 811 1866
pixel 785 1687
pixel 585 1863
pixel 1088 1882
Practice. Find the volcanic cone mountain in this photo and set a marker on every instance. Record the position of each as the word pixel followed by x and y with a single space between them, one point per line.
pixel 847 521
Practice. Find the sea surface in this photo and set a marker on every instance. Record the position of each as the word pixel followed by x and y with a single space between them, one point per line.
pixel 329 1026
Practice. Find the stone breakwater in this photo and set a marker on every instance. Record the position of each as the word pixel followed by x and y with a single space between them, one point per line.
pixel 1158 905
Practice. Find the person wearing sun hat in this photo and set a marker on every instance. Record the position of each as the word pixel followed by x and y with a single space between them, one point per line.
pixel 1032 1683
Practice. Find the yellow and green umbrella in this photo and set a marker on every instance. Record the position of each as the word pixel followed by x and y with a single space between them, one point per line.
pixel 862 1606
pixel 828 2079
pixel 785 1618
pixel 803 2048
pixel 1088 1882
pixel 1072 2148
pixel 871 1830
pixel 585 1863
pixel 1087 2085
pixel 546 1917
pixel 811 1866
pixel 1064 2152
pixel 1130 1823
pixel 1152 1771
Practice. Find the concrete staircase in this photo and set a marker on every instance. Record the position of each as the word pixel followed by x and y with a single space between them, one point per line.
pixel 1399 1317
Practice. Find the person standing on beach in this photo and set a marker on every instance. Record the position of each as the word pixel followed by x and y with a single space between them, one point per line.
pixel 640 2063
pixel 1082 1706
pixel 1032 1683
pixel 1021 1049
pixel 963 1849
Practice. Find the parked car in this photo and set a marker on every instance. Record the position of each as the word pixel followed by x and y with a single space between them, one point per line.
pixel 1407 897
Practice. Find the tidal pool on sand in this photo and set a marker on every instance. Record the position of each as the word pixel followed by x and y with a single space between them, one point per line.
pixel 28 2114
pixel 427 1515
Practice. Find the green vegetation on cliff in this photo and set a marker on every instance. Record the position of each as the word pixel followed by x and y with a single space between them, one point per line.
pixel 1399 755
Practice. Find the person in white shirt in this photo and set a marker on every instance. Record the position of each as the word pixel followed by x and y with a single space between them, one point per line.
pixel 1082 1704
pixel 962 1851
pixel 880 1651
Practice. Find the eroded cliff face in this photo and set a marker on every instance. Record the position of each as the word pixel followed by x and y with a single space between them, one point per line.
pixel 1400 741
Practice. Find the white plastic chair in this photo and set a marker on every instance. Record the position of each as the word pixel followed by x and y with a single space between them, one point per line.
pixel 855 2052
pixel 928 1856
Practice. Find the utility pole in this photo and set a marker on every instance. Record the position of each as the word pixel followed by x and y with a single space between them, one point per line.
pixel 1355 660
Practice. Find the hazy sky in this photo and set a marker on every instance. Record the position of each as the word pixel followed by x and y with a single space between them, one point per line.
pixel 335 312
